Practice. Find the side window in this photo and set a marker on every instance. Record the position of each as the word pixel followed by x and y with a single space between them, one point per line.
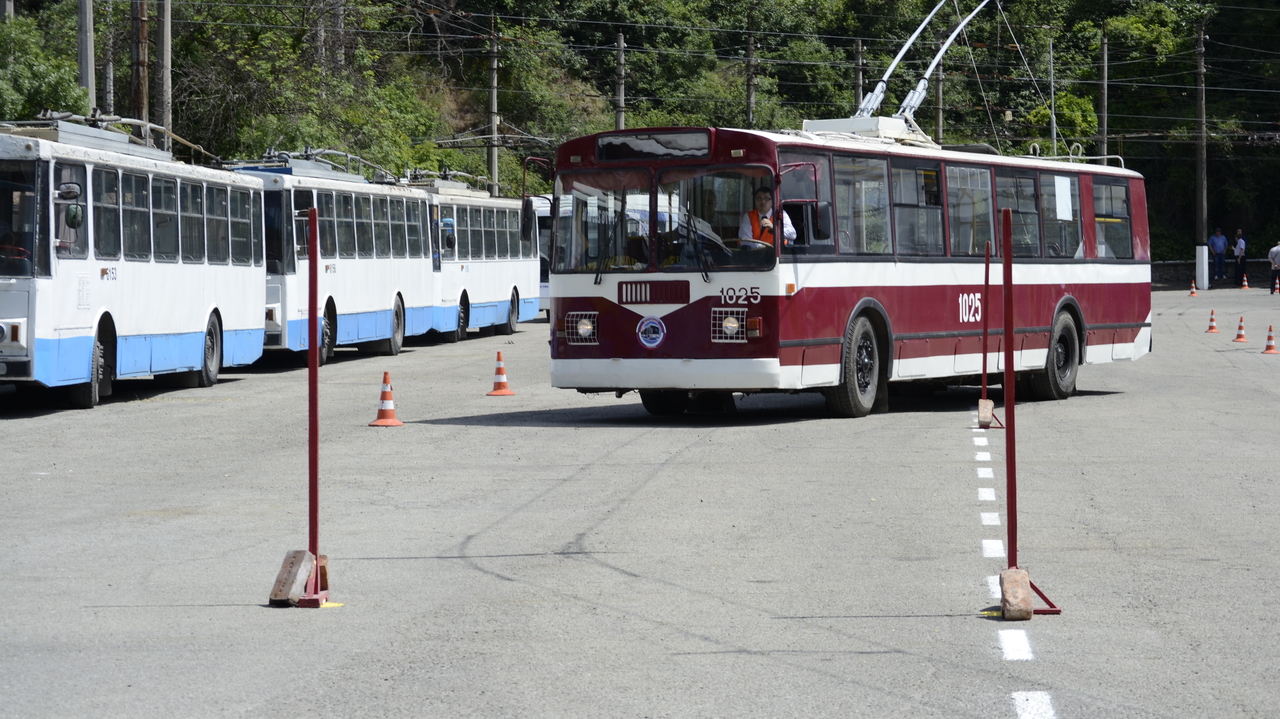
pixel 1111 216
pixel 241 228
pixel 279 238
pixel 413 227
pixel 381 228
pixel 969 216
pixel 1018 193
pixel 71 236
pixel 862 204
pixel 134 196
pixel 1060 212
pixel 808 206
pixel 449 238
pixel 917 208
pixel 215 222
pixel 346 226
pixel 490 234
pixel 398 246
pixel 329 229
pixel 364 226
pixel 257 228
pixel 504 242
pixel 164 218
pixel 528 228
pixel 106 214
pixel 477 233
pixel 191 221
pixel 303 200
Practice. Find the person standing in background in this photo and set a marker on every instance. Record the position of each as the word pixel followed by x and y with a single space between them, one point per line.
pixel 1274 256
pixel 1218 248
pixel 1239 250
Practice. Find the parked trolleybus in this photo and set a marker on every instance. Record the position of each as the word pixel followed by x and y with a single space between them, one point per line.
pixel 666 279
pixel 390 258
pixel 117 262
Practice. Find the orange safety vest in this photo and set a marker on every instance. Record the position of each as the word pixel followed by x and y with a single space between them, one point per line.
pixel 764 236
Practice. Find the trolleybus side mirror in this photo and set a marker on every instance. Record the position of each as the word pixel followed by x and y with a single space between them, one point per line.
pixel 69 191
pixel 449 241
pixel 74 217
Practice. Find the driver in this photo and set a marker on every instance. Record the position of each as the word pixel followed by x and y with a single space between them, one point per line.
pixel 757 224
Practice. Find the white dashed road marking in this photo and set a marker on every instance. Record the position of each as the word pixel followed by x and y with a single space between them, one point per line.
pixel 991 519
pixel 986 494
pixel 982 456
pixel 979 441
pixel 985 473
pixel 993 586
pixel 993 548
pixel 1033 705
pixel 1014 644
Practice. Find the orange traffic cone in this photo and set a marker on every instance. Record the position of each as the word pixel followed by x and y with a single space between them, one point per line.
pixel 1276 288
pixel 1193 289
pixel 1245 283
pixel 1270 349
pixel 1240 333
pixel 1213 324
pixel 500 388
pixel 386 406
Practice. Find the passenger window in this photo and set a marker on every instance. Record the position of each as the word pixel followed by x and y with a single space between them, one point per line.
pixel 504 240
pixel 191 221
pixel 490 235
pixel 241 228
pixel 279 239
pixel 862 204
pixel 134 193
pixel 216 229
pixel 381 228
pixel 164 218
pixel 917 208
pixel 413 227
pixel 969 210
pixel 327 219
pixel 364 227
pixel 303 200
pixel 1111 217
pixel 449 238
pixel 1060 211
pixel 398 246
pixel 1017 192
pixel 807 205
pixel 257 229
pixel 346 226
pixel 106 214
pixel 477 233
pixel 71 237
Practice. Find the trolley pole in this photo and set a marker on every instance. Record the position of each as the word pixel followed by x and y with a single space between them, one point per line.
pixel 620 110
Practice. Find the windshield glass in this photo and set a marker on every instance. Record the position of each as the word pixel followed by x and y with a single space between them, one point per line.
pixel 17 218
pixel 707 220
pixel 604 222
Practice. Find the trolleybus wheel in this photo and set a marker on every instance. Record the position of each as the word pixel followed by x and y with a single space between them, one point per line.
pixel 513 316
pixel 208 376
pixel 461 333
pixel 664 402
pixel 855 396
pixel 393 344
pixel 88 394
pixel 1058 380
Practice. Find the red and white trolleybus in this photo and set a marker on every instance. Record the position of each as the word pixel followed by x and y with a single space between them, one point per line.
pixel 664 281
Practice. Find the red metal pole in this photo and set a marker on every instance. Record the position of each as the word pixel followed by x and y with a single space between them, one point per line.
pixel 313 392
pixel 1010 453
pixel 986 290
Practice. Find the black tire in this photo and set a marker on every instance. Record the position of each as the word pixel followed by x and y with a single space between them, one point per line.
pixel 464 313
pixel 513 316
pixel 664 402
pixel 87 395
pixel 393 344
pixel 212 365
pixel 1061 367
pixel 855 396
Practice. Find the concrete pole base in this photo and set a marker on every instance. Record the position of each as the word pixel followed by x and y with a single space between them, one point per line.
pixel 1015 595
pixel 986 410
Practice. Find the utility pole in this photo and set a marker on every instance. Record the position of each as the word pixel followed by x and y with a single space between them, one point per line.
pixel 1102 104
pixel 85 55
pixel 751 82
pixel 1053 102
pixel 141 101
pixel 620 108
pixel 8 10
pixel 166 69
pixel 858 61
pixel 937 94
pixel 109 76
pixel 494 120
pixel 1202 197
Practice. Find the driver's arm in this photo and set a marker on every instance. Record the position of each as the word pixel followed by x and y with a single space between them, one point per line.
pixel 744 227
pixel 788 229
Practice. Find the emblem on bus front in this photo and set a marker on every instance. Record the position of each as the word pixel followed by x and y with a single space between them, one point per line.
pixel 651 332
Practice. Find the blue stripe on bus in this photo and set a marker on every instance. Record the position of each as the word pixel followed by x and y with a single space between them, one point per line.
pixel 528 309
pixel 67 361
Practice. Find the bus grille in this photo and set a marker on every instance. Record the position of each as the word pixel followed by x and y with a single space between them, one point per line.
pixel 718 333
pixel 571 320
pixel 671 292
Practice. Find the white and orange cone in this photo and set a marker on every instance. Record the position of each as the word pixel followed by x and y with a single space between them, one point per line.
pixel 1193 289
pixel 1245 284
pixel 1276 287
pixel 500 388
pixel 1213 324
pixel 1270 349
pixel 386 406
pixel 1240 333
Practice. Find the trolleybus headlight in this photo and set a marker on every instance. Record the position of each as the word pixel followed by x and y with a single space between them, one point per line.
pixel 730 325
pixel 585 327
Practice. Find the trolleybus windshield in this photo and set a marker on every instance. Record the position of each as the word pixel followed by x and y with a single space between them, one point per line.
pixel 17 218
